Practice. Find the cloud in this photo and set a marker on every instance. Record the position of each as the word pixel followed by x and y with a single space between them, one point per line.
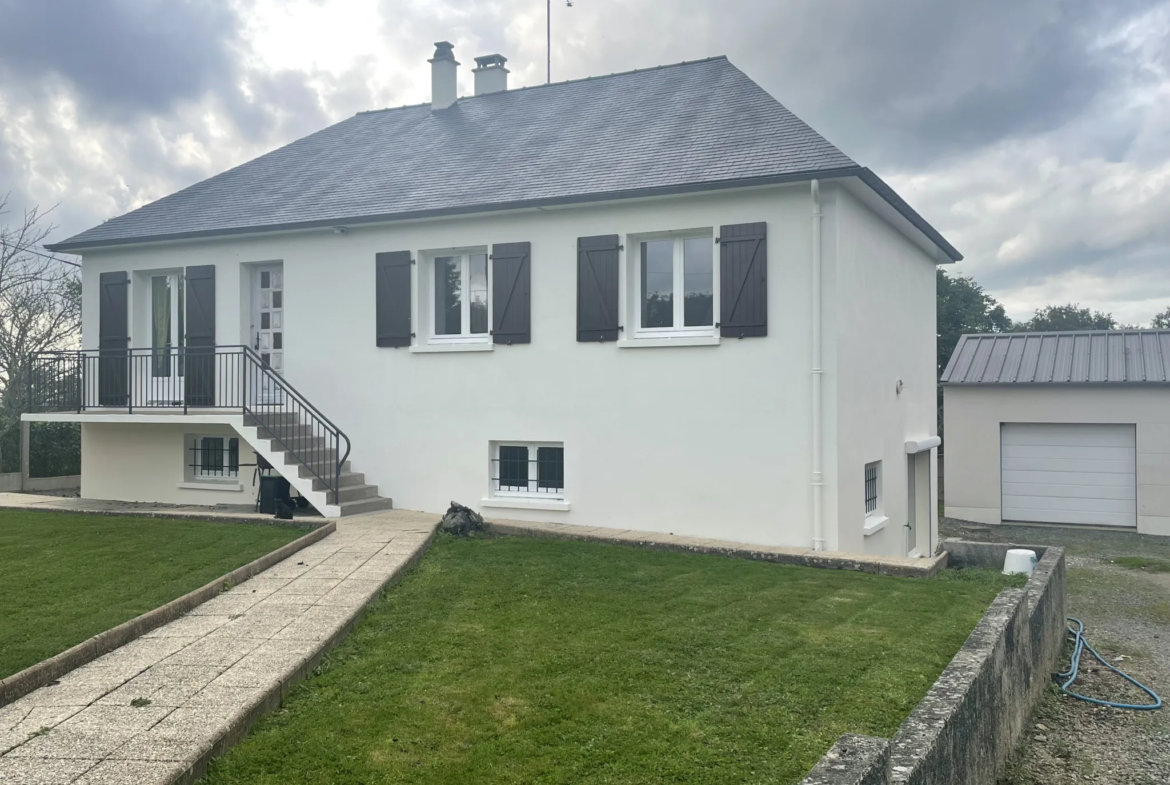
pixel 1075 213
pixel 895 83
pixel 120 56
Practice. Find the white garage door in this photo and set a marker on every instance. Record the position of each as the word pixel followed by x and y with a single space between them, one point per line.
pixel 1069 473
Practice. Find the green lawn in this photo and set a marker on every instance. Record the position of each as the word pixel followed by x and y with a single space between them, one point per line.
pixel 515 660
pixel 65 578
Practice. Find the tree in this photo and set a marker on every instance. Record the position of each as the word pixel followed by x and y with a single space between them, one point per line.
pixel 1162 320
pixel 1071 316
pixel 963 307
pixel 40 309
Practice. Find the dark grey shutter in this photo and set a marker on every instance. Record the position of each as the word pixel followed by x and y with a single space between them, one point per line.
pixel 392 292
pixel 597 288
pixel 743 280
pixel 113 339
pixel 511 293
pixel 199 336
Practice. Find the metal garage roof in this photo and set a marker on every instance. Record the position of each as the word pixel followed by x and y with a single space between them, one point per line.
pixel 1089 357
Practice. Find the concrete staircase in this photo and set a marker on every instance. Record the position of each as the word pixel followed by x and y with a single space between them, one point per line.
pixel 303 459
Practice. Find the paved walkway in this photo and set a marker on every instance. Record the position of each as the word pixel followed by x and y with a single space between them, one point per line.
pixel 153 710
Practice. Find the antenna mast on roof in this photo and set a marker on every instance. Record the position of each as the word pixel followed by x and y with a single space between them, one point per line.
pixel 548 35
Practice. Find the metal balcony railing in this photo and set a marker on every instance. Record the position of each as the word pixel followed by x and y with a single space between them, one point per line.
pixel 182 379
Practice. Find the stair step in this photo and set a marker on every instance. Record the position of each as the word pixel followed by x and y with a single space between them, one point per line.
pixel 325 470
pixel 298 443
pixel 347 479
pixel 351 493
pixel 296 433
pixel 317 459
pixel 366 505
pixel 272 419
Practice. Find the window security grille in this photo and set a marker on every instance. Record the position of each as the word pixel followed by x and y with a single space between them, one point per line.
pixel 215 457
pixel 871 488
pixel 529 470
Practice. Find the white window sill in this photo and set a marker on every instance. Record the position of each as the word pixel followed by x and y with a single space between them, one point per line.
pixel 520 503
pixel 471 346
pixel 652 343
pixel 874 524
pixel 212 485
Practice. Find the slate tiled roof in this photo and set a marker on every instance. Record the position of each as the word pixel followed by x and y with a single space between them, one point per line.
pixel 685 127
pixel 1111 357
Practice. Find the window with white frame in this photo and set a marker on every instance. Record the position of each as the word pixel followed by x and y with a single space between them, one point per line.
pixel 675 279
pixel 528 469
pixel 213 457
pixel 459 297
pixel 873 489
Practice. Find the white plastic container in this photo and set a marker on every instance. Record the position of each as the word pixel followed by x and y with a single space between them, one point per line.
pixel 1019 560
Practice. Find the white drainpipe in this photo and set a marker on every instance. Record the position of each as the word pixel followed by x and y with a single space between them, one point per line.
pixel 818 484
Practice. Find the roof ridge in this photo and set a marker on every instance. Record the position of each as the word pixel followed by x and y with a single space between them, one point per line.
pixel 557 84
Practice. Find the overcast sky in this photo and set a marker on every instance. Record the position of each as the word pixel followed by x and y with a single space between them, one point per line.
pixel 1034 134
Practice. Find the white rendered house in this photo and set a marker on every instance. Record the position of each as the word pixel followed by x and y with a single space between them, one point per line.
pixel 654 300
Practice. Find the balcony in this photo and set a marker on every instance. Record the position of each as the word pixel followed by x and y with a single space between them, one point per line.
pixel 228 384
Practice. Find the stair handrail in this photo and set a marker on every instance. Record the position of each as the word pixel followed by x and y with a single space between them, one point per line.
pixel 304 402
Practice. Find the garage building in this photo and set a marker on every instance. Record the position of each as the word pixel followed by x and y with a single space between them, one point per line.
pixel 1063 428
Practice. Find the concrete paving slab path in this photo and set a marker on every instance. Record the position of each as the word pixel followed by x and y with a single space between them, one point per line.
pixel 153 711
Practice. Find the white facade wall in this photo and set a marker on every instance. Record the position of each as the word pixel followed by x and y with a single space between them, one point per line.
pixel 148 462
pixel 885 334
pixel 973 417
pixel 710 440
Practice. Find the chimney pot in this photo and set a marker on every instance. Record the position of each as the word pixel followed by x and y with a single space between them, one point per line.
pixel 490 74
pixel 444 70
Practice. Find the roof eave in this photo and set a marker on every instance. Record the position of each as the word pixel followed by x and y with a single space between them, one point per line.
pixel 865 175
pixel 882 189
pixel 603 196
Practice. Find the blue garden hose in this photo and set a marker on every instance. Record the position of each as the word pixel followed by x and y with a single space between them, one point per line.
pixel 1080 645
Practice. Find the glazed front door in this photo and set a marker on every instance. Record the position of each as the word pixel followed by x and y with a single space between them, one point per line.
pixel 167 359
pixel 268 326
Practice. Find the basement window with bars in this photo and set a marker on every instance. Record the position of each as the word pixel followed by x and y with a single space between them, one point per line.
pixel 213 457
pixel 873 473
pixel 533 470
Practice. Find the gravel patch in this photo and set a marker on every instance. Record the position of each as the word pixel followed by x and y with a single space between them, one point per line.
pixel 65 493
pixel 1126 613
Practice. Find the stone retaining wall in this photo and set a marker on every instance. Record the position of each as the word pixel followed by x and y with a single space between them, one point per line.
pixel 962 732
pixel 853 760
